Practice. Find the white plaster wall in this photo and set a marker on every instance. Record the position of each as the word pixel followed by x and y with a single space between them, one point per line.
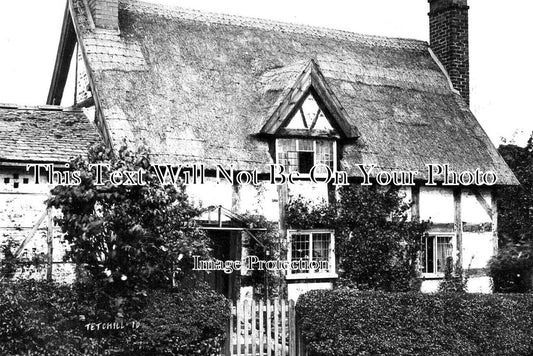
pixel 480 284
pixel 260 199
pixel 436 204
pixel 315 192
pixel 211 193
pixel 295 290
pixel 477 249
pixel 20 209
pixel 471 209
pixel 430 286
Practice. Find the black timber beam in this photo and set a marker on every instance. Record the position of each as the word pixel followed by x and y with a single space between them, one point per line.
pixel 67 43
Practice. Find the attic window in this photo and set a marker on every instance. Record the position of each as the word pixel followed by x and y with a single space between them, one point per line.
pixel 300 155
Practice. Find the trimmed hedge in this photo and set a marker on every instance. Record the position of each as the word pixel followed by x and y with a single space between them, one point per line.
pixel 43 318
pixel 346 322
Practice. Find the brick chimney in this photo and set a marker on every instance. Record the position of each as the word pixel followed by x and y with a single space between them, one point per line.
pixel 448 38
pixel 104 13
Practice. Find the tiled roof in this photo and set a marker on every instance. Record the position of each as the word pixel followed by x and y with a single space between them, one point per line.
pixel 43 134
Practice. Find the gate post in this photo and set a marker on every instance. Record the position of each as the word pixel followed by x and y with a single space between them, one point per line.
pixel 227 342
pixel 292 329
pixel 299 344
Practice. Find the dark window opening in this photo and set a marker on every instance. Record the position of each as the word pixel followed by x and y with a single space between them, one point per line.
pixel 305 161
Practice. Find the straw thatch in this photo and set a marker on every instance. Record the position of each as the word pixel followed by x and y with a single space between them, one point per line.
pixel 50 134
pixel 198 87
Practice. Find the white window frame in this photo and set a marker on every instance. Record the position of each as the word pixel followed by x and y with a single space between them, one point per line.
pixel 453 241
pixel 312 274
pixel 314 139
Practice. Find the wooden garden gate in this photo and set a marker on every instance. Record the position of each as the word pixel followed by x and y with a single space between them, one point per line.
pixel 260 328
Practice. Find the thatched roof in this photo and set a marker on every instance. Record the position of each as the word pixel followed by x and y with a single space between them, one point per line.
pixel 48 134
pixel 198 87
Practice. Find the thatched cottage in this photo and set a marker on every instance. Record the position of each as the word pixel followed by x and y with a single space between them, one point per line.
pixel 212 89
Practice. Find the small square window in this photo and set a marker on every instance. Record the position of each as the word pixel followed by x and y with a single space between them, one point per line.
pixel 6 180
pixel 15 185
pixel 300 155
pixel 15 176
pixel 436 248
pixel 311 254
pixel 25 180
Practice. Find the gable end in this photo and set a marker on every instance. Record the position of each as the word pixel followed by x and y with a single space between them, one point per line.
pixel 310 82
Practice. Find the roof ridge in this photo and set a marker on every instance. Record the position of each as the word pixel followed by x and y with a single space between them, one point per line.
pixel 40 107
pixel 245 21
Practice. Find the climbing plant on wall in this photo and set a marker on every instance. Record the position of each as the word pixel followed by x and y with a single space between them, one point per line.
pixel 376 244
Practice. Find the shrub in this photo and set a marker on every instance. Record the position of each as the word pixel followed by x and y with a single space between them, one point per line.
pixel 130 238
pixel 182 322
pixel 512 268
pixel 42 318
pixel 346 322
pixel 455 280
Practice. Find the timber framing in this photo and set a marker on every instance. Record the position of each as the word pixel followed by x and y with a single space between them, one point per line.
pixel 67 43
pixel 488 209
pixel 458 223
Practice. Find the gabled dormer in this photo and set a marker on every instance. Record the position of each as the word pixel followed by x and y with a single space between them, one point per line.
pixel 308 123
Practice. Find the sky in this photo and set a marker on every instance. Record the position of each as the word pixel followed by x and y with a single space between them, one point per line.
pixel 500 46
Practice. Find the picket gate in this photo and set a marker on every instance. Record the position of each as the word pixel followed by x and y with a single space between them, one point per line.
pixel 263 328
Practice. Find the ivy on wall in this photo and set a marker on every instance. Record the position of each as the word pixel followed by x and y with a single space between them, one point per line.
pixel 376 244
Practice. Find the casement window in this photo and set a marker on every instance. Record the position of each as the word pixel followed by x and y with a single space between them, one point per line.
pixel 311 254
pixel 300 155
pixel 436 248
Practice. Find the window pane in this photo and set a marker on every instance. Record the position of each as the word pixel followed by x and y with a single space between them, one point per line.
pixel 324 154
pixel 300 155
pixel 292 161
pixel 305 145
pixel 428 255
pixel 300 249
pixel 444 250
pixel 285 145
pixel 321 249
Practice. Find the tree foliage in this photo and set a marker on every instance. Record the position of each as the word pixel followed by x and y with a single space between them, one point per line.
pixel 511 268
pixel 129 238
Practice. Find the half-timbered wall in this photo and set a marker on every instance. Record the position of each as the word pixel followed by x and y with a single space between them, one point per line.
pixel 468 215
pixel 22 207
